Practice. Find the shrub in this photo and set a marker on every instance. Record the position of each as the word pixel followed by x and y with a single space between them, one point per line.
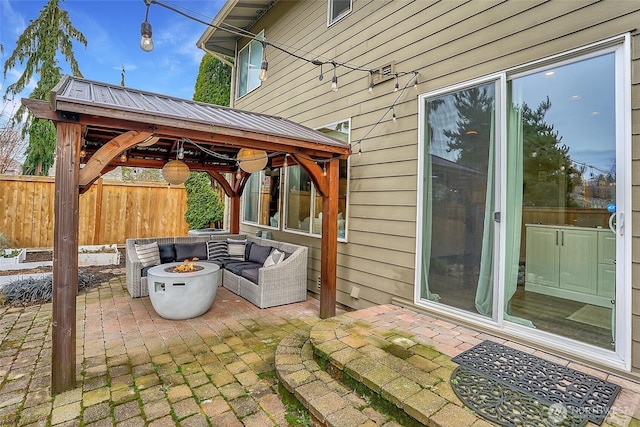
pixel 37 290
pixel 4 242
pixel 203 204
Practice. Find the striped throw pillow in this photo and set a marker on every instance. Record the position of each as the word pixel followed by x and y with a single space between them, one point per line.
pixel 217 250
pixel 236 248
pixel 149 254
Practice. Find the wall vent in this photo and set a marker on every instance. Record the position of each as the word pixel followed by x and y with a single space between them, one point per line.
pixel 384 73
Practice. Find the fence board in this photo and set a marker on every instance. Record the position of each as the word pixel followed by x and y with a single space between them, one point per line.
pixel 110 212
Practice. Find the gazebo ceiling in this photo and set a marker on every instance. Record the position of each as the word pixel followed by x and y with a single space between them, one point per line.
pixel 107 111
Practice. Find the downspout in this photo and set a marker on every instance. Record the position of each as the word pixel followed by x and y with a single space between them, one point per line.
pixel 225 61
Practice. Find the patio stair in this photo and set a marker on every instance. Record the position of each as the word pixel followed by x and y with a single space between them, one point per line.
pixel 404 380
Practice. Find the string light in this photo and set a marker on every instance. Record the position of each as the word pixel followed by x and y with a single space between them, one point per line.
pixel 397 86
pixel 264 66
pixel 371 82
pixel 392 108
pixel 394 117
pixel 83 151
pixel 334 79
pixel 123 156
pixel 146 43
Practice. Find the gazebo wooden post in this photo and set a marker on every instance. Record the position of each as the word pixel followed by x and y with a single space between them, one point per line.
pixel 65 257
pixel 234 214
pixel 329 245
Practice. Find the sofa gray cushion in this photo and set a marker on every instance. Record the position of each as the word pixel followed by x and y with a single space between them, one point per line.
pixel 251 274
pixel 167 252
pixel 237 267
pixel 190 251
pixel 259 254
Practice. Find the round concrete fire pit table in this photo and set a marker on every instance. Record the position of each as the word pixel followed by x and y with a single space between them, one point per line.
pixel 182 295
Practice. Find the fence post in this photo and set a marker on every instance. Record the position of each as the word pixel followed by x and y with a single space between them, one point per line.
pixel 98 214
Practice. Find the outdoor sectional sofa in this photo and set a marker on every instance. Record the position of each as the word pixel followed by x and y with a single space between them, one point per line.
pixel 244 274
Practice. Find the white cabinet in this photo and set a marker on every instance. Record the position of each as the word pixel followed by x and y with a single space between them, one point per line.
pixel 574 263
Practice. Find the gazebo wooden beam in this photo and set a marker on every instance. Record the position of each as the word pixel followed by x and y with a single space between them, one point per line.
pixel 108 152
pixel 65 258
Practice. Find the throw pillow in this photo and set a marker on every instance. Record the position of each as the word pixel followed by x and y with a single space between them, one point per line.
pixel 149 254
pixel 275 257
pixel 259 254
pixel 236 248
pixel 217 250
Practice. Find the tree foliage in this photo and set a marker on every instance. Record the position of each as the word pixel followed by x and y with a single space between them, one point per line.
pixel 471 138
pixel 213 84
pixel 37 49
pixel 203 203
pixel 549 175
pixel 141 174
pixel 41 149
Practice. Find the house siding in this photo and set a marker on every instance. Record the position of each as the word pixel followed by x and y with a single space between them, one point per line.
pixel 449 42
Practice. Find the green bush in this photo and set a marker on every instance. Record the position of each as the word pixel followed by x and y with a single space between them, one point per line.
pixel 4 242
pixel 203 203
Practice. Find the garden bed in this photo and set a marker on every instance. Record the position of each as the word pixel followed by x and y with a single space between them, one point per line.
pixel 13 256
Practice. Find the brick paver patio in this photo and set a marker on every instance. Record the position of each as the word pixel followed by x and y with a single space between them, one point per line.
pixel 137 369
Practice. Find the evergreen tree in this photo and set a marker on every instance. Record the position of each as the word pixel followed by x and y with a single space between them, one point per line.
pixel 470 140
pixel 549 175
pixel 213 84
pixel 46 36
pixel 203 204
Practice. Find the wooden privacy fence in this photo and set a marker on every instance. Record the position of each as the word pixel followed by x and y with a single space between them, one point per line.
pixel 110 212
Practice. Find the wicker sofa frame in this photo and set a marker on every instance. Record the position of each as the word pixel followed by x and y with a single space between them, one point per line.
pixel 284 283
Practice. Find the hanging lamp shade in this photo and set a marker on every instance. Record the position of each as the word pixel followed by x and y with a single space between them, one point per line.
pixel 175 172
pixel 251 160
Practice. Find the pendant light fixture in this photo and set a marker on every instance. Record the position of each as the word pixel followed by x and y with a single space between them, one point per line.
pixel 251 160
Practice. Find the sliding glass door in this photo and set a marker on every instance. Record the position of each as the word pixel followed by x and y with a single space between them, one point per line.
pixel 567 255
pixel 457 223
pixel 520 199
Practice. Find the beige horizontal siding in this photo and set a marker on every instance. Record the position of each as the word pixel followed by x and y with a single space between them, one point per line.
pixel 449 42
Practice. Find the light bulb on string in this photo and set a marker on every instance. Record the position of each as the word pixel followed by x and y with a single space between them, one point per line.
pixel 264 66
pixel 393 116
pixel 397 86
pixel 334 79
pixel 146 43
pixel 123 156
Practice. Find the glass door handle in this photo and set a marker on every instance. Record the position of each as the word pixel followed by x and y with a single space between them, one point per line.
pixel 616 222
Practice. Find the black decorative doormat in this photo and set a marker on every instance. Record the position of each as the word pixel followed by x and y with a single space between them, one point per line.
pixel 514 388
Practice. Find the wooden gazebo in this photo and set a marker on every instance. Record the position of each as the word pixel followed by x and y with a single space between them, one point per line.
pixel 97 122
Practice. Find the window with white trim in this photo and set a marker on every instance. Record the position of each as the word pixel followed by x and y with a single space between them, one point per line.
pixel 249 62
pixel 303 204
pixel 338 9
pixel 261 199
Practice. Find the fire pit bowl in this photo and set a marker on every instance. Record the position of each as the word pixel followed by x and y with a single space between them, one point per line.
pixel 180 295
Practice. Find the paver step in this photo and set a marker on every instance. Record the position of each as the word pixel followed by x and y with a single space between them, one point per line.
pixel 405 379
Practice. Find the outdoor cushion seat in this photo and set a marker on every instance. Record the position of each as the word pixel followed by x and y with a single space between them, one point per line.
pixel 251 274
pixel 238 266
pixel 144 270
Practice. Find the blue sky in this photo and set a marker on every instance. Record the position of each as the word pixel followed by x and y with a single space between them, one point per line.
pixel 112 30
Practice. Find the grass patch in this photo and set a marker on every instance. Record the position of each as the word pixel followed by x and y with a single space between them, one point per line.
pixel 296 415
